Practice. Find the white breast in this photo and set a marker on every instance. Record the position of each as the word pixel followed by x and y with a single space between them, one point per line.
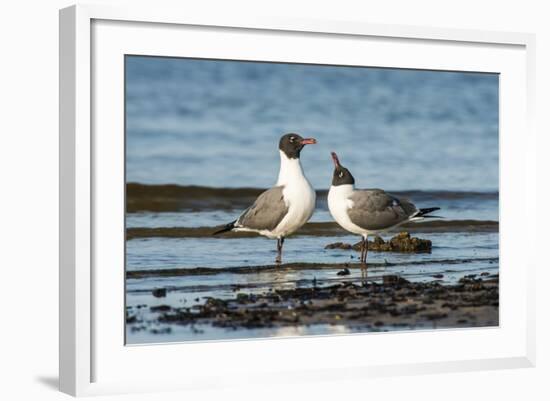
pixel 298 194
pixel 338 205
pixel 301 204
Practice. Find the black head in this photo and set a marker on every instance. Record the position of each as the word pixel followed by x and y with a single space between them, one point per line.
pixel 341 175
pixel 291 144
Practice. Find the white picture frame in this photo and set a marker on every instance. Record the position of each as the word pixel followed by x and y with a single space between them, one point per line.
pixel 95 361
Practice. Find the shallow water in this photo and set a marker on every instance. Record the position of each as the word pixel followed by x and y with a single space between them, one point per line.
pixel 166 253
pixel 454 254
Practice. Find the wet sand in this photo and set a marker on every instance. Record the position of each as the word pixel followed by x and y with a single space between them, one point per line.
pixel 392 303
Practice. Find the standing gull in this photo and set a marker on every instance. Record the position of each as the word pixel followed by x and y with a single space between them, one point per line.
pixel 368 211
pixel 284 208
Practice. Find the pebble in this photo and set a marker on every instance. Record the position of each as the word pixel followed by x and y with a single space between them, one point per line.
pixel 344 272
pixel 159 292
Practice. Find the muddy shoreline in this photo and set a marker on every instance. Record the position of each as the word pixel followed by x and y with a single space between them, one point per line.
pixel 394 303
pixel 325 229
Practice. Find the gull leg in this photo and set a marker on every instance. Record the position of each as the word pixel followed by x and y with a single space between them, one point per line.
pixel 364 250
pixel 278 257
pixel 361 260
pixel 280 242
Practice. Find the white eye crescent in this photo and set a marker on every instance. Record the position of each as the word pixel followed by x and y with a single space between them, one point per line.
pixel 341 174
pixel 292 139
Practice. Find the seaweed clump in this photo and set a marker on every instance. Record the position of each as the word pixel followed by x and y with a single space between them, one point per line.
pixel 402 242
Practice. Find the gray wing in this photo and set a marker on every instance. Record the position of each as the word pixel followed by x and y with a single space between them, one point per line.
pixel 267 211
pixel 374 209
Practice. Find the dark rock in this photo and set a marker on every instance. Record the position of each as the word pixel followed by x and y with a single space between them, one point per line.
pixel 242 298
pixel 138 328
pixel 449 305
pixel 131 318
pixel 215 304
pixel 435 315
pixel 163 330
pixel 469 279
pixel 391 279
pixel 378 240
pixel 402 242
pixel 344 272
pixel 159 292
pixel 338 245
pixel 160 308
pixel 410 309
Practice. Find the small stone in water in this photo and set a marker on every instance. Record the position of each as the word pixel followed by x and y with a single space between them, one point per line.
pixel 344 272
pixel 160 308
pixel 159 292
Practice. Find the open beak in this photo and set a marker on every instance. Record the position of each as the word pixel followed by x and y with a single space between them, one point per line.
pixel 335 159
pixel 308 141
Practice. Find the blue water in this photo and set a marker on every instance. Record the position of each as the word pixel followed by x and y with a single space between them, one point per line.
pixel 217 123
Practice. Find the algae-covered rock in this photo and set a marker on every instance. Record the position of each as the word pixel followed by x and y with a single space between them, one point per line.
pixel 402 242
pixel 338 245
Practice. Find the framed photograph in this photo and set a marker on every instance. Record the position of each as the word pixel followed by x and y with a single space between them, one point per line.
pixel 290 199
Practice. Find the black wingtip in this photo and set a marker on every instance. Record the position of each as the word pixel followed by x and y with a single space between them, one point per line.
pixel 227 227
pixel 424 212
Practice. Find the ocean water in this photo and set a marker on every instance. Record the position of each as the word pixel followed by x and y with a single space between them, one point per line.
pixel 429 136
pixel 217 123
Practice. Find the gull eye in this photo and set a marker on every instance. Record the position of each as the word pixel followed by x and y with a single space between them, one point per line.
pixel 292 139
pixel 341 174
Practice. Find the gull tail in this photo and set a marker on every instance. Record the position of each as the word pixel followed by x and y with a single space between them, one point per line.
pixel 227 227
pixel 426 211
pixel 424 214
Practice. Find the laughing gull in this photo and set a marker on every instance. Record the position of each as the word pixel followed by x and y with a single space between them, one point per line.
pixel 283 209
pixel 368 211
